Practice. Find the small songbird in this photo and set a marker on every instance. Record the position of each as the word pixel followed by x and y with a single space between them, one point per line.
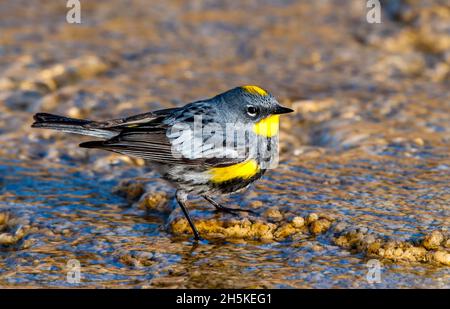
pixel 207 148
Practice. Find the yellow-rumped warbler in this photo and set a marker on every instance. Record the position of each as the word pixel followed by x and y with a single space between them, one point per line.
pixel 208 147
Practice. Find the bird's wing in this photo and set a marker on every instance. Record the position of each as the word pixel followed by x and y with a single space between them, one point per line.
pixel 150 118
pixel 170 137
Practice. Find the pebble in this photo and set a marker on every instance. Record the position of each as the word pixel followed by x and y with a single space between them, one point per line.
pixel 131 190
pixel 433 240
pixel 274 213
pixel 284 231
pixel 311 218
pixel 447 243
pixel 298 222
pixel 419 142
pixel 320 226
pixel 154 201
pixel 442 257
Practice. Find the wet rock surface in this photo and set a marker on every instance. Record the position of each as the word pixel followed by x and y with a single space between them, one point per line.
pixel 364 169
pixel 372 245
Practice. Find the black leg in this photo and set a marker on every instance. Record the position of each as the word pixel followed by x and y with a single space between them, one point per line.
pixel 223 208
pixel 182 199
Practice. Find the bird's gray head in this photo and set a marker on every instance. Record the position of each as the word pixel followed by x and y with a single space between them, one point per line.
pixel 252 105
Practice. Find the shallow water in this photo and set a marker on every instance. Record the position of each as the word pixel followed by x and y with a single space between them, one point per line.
pixel 368 145
pixel 77 217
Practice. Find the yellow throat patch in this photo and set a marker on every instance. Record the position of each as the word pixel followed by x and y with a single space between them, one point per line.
pixel 244 170
pixel 255 90
pixel 268 126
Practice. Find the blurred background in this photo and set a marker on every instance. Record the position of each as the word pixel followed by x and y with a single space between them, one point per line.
pixel 365 167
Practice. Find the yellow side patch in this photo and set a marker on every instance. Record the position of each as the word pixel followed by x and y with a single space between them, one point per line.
pixel 255 90
pixel 268 126
pixel 244 170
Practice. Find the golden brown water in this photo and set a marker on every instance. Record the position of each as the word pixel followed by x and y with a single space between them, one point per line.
pixel 368 146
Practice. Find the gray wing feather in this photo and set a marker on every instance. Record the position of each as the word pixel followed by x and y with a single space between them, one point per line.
pixel 155 141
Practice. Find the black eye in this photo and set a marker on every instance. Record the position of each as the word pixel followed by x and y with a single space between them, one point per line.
pixel 252 111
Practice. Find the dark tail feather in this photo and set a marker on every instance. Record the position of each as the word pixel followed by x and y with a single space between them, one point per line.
pixel 92 144
pixel 70 125
pixel 43 119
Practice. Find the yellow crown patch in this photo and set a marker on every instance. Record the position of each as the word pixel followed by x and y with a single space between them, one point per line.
pixel 255 90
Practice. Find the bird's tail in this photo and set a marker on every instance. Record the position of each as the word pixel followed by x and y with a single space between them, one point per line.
pixel 70 125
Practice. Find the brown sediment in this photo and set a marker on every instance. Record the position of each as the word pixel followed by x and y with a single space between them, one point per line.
pixel 251 228
pixel 135 259
pixel 433 240
pixel 155 201
pixel 320 226
pixel 274 214
pixel 430 250
pixel 242 229
pixel 132 190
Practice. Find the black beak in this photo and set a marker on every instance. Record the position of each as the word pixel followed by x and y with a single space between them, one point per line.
pixel 282 110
